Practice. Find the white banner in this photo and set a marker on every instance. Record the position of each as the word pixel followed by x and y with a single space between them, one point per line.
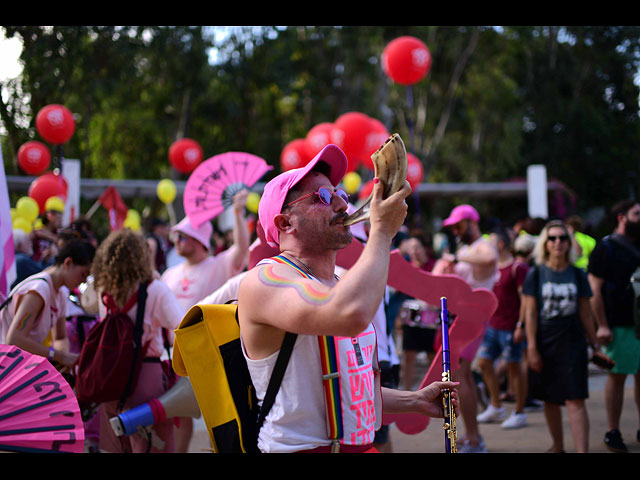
pixel 71 171
pixel 537 191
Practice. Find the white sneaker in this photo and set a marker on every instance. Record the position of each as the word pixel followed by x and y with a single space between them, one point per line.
pixel 516 420
pixel 466 447
pixel 492 414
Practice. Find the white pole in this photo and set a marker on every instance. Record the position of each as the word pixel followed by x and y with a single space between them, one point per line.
pixel 537 191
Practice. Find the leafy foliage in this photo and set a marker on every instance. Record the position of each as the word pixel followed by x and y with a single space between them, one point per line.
pixel 495 101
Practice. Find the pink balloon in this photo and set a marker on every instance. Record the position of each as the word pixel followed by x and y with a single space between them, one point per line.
pixel 294 155
pixel 48 185
pixel 34 157
pixel 366 190
pixel 374 140
pixel 185 155
pixel 415 170
pixel 406 60
pixel 318 137
pixel 350 134
pixel 55 124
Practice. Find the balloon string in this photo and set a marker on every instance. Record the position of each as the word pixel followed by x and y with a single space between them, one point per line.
pixel 409 120
pixel 416 199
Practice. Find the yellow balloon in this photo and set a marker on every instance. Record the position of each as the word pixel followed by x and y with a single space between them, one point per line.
pixel 14 214
pixel 253 200
pixel 166 191
pixel 54 203
pixel 27 208
pixel 351 182
pixel 23 224
pixel 132 220
pixel 38 225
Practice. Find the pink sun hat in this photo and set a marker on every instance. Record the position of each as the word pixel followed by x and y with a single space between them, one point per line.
pixel 459 213
pixel 277 189
pixel 202 234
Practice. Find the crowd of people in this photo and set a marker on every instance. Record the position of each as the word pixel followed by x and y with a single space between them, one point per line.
pixel 561 296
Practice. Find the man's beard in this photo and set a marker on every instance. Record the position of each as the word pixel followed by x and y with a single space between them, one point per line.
pixel 338 238
pixel 466 238
pixel 632 229
pixel 335 237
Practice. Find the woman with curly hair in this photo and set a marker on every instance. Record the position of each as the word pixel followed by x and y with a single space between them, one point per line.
pixel 120 267
pixel 559 323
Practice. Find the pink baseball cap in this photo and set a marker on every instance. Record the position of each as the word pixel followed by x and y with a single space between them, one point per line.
pixel 202 234
pixel 277 189
pixel 461 212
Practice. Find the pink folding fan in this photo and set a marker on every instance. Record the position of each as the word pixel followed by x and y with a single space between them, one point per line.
pixel 38 409
pixel 212 185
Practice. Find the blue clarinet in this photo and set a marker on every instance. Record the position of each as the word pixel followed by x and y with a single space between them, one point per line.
pixel 450 435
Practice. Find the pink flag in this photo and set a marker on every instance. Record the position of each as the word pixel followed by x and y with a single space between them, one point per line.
pixel 7 254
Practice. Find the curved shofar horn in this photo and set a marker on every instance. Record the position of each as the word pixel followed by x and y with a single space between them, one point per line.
pixel 390 166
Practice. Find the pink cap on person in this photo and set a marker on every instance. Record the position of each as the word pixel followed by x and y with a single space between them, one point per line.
pixel 459 213
pixel 277 189
pixel 202 234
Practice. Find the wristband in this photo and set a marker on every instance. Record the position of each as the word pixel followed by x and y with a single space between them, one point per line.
pixel 519 325
pixel 52 352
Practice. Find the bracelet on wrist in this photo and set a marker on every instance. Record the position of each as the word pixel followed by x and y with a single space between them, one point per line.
pixel 52 352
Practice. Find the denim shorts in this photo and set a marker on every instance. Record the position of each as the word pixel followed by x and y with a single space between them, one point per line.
pixel 500 342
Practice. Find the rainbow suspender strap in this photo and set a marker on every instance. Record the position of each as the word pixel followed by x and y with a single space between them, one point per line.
pixel 330 373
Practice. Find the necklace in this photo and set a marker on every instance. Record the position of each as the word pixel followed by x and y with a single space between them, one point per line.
pixel 354 340
pixel 309 271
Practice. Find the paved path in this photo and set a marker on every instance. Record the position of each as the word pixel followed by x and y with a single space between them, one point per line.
pixel 534 438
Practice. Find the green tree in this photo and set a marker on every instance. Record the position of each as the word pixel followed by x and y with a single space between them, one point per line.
pixel 496 99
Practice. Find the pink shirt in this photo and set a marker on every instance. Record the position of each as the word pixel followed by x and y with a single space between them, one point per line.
pixel 55 306
pixel 162 310
pixel 192 283
pixel 465 270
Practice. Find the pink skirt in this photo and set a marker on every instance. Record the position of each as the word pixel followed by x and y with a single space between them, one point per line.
pixel 150 385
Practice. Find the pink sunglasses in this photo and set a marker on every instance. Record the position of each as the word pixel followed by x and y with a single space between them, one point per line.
pixel 325 196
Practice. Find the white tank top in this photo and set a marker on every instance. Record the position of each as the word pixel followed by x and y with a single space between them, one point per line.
pixel 297 419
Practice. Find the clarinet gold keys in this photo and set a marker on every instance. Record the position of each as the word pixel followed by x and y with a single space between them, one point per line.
pixel 450 432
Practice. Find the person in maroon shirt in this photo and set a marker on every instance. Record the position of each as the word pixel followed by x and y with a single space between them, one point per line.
pixel 502 339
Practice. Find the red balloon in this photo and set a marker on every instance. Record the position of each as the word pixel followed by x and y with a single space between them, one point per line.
pixel 34 157
pixel 185 155
pixel 366 190
pixel 295 154
pixel 406 60
pixel 415 171
pixel 374 140
pixel 318 137
pixel 48 185
pixel 350 134
pixel 55 124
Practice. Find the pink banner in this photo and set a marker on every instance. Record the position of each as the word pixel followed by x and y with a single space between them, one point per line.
pixel 472 309
pixel 7 254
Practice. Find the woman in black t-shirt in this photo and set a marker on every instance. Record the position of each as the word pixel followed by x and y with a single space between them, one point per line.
pixel 558 323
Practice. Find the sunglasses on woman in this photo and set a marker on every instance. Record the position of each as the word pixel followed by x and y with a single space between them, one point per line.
pixel 562 238
pixel 325 196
